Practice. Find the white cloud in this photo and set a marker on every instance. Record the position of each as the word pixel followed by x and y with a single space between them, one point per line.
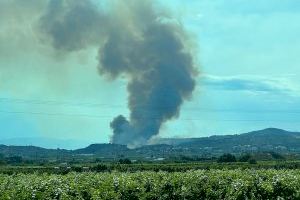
pixel 255 84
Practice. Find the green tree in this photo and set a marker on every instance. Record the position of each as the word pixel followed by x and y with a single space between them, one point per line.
pixel 245 158
pixel 125 161
pixel 227 157
pixel 277 156
pixel 252 161
pixel 2 159
pixel 14 160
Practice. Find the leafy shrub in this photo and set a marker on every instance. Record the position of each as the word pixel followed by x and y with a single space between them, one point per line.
pixel 252 161
pixel 245 158
pixel 200 184
pixel 227 158
pixel 125 161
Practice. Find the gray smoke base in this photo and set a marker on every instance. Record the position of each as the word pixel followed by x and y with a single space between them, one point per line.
pixel 138 41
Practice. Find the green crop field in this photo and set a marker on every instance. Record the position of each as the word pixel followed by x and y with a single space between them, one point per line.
pixel 199 184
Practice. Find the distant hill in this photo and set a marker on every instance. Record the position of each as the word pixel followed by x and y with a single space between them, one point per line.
pixel 103 149
pixel 266 140
pixel 49 143
pixel 270 139
pixel 30 151
pixel 269 136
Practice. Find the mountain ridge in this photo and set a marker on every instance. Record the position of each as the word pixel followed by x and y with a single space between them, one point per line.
pixel 270 139
pixel 43 142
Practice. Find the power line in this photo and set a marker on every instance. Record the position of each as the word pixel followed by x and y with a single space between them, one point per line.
pixel 141 107
pixel 54 114
pixel 49 102
pixel 147 118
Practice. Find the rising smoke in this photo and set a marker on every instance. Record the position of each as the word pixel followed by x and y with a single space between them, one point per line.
pixel 137 40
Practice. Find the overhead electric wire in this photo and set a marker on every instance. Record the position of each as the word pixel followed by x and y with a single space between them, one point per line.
pixel 141 107
pixel 152 118
pixel 53 114
pixel 151 109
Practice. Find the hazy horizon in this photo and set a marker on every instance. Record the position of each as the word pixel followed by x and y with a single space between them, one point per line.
pixel 71 144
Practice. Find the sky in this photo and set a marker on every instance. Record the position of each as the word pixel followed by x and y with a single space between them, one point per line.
pixel 246 52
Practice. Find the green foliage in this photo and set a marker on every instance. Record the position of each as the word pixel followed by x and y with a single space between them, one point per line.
pixel 155 167
pixel 14 160
pixel 227 158
pixel 2 159
pixel 125 161
pixel 248 158
pixel 245 158
pixel 277 156
pixel 199 184
pixel 100 168
pixel 252 161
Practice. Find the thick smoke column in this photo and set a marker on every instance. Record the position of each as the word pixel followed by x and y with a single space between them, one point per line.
pixel 73 24
pixel 138 41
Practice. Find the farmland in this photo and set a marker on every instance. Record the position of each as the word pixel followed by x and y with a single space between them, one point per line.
pixel 177 171
pixel 194 184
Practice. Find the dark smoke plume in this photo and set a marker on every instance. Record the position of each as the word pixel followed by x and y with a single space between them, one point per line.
pixel 139 41
pixel 73 24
